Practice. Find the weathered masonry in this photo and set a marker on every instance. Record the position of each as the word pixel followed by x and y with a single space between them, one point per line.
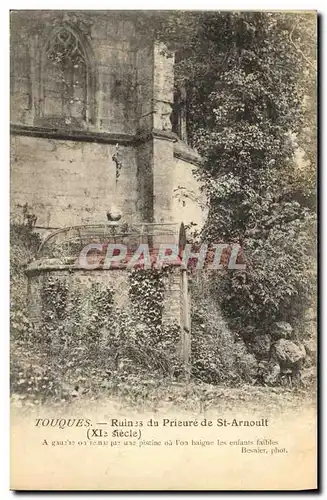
pixel 59 258
pixel 91 125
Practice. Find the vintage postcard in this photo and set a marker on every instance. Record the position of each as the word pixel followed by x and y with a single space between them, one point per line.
pixel 163 250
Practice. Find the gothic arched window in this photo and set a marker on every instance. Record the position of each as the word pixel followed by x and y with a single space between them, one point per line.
pixel 65 79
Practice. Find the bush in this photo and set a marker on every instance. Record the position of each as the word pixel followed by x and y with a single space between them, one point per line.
pixel 218 356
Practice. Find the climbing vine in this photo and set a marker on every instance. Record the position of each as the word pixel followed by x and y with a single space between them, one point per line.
pixel 88 339
pixel 146 291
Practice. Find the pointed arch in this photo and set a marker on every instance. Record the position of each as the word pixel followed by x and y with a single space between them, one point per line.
pixel 67 79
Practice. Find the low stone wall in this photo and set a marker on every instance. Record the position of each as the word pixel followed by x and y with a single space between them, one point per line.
pixel 114 283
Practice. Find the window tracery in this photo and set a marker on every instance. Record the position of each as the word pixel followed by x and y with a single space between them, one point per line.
pixel 65 79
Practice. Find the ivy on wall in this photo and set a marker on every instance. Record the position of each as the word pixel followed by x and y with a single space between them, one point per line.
pixel 87 340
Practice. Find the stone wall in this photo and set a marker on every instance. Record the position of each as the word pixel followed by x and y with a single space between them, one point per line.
pixel 65 172
pixel 69 182
pixel 67 128
pixel 116 279
pixel 189 203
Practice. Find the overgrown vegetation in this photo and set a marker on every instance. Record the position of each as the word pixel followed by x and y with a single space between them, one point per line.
pixel 250 85
pixel 250 79
pixel 84 342
pixel 85 345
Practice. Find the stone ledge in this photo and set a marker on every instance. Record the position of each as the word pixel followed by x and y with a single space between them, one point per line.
pixel 91 136
pixel 72 135
pixel 184 152
pixel 166 135
pixel 71 265
pixel 181 149
pixel 51 265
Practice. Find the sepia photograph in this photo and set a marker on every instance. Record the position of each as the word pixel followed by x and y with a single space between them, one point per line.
pixel 163 250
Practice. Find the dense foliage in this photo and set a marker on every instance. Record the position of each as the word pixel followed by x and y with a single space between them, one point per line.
pixel 250 81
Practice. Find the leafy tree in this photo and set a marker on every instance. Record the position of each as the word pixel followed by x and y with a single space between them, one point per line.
pixel 250 81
